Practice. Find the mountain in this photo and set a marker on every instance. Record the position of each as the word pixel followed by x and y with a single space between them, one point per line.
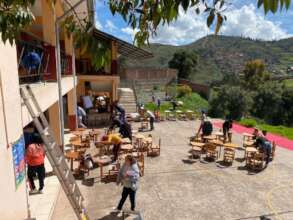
pixel 220 55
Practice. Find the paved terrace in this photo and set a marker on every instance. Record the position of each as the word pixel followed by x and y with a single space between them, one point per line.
pixel 176 188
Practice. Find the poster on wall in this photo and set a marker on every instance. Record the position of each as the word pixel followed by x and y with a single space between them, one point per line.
pixel 18 151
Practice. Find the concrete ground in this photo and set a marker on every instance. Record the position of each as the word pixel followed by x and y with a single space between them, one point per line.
pixel 175 187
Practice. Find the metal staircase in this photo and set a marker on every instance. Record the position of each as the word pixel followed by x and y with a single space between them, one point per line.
pixel 54 154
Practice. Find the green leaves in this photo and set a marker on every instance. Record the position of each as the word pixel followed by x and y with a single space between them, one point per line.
pixel 98 50
pixel 14 17
pixel 211 18
pixel 273 5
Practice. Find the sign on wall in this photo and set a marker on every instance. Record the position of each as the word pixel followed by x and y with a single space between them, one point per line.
pixel 18 153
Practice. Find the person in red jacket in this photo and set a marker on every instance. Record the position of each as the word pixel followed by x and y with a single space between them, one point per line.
pixel 35 156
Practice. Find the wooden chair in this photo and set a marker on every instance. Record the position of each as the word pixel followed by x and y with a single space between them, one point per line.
pixel 182 116
pixel 140 163
pixel 154 150
pixel 172 117
pixel 211 151
pixel 145 124
pixel 229 155
pixel 196 138
pixel 197 149
pixel 112 173
pixel 256 162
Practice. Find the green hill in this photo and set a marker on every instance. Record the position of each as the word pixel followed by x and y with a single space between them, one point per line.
pixel 220 55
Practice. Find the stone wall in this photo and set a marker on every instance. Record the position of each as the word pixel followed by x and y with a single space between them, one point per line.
pixel 201 89
pixel 148 73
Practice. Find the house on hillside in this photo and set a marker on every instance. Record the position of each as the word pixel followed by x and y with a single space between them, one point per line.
pixel 39 40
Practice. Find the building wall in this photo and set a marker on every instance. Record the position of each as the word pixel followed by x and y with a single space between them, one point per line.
pixel 148 73
pixel 203 90
pixel 13 201
pixel 99 84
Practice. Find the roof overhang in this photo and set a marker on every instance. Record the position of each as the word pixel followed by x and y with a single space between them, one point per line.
pixel 85 10
pixel 124 48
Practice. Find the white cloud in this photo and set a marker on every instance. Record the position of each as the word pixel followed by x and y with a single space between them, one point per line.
pixel 249 22
pixel 186 29
pixel 245 21
pixel 129 31
pixel 98 24
pixel 110 26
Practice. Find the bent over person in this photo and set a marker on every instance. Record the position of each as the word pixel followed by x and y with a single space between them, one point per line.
pixel 35 156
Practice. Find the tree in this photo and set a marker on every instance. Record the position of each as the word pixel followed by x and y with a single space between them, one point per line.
pixel 232 102
pixel 14 17
pixel 287 100
pixel 268 103
pixel 184 62
pixel 254 74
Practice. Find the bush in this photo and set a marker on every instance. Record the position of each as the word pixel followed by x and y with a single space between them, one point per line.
pixel 183 91
pixel 268 103
pixel 248 122
pixel 232 102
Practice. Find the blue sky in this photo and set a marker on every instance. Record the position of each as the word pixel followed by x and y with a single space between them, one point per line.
pixel 244 19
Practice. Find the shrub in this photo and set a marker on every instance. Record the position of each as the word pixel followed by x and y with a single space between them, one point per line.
pixel 232 102
pixel 183 91
pixel 248 122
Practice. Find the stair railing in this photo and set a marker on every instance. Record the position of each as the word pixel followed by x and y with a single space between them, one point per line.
pixel 135 95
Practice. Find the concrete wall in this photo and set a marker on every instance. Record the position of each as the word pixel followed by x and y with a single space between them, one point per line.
pixel 13 201
pixel 203 90
pixel 47 95
pixel 148 73
pixel 98 84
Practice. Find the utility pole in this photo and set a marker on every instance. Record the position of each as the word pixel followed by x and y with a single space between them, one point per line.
pixel 58 68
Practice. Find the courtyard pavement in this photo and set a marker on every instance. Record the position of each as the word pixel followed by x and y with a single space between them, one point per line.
pixel 176 187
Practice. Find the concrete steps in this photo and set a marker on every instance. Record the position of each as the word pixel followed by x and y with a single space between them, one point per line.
pixel 127 99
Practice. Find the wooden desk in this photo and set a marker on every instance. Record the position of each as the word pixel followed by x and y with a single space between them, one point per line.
pixel 219 144
pixel 209 138
pixel 127 147
pixel 126 141
pixel 196 144
pixel 72 155
pixel 219 135
pixel 102 161
pixel 249 151
pixel 247 136
pixel 230 145
pixel 78 144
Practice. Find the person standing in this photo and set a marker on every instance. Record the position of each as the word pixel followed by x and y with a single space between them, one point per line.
pixel 152 119
pixel 227 125
pixel 81 114
pixel 128 176
pixel 35 156
pixel 159 103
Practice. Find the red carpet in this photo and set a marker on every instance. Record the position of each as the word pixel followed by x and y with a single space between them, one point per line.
pixel 279 140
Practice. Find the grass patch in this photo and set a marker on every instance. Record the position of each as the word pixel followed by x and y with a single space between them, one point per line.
pixel 248 122
pixel 274 129
pixel 192 102
pixel 289 83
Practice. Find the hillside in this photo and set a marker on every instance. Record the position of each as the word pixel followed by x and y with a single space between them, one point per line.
pixel 219 55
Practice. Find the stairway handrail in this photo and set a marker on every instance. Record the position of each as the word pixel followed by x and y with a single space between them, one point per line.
pixel 134 92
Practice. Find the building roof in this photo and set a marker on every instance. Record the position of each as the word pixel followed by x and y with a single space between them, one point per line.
pixel 85 10
pixel 124 48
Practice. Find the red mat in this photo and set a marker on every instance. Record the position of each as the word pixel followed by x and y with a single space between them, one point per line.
pixel 279 140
